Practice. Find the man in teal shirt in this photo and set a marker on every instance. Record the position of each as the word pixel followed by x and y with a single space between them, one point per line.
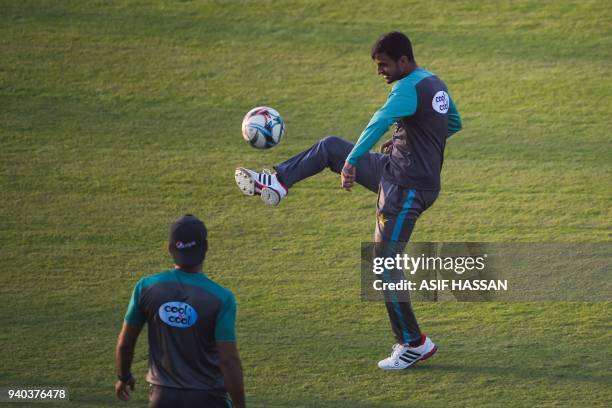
pixel 193 359
pixel 406 174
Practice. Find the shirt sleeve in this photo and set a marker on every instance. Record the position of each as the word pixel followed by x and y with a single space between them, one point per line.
pixel 134 315
pixel 454 120
pixel 225 328
pixel 398 105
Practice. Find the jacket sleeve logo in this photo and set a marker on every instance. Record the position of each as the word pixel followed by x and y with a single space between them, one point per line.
pixel 440 102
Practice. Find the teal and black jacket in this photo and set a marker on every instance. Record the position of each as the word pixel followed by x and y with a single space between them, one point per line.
pixel 425 116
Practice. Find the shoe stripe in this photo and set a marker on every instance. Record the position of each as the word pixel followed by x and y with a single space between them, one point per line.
pixel 406 359
pixel 412 353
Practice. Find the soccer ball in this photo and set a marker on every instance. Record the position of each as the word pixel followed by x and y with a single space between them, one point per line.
pixel 263 127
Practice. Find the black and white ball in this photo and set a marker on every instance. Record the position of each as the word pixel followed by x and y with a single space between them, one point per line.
pixel 263 127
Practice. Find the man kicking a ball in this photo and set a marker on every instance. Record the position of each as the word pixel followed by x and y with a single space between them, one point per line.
pixel 406 175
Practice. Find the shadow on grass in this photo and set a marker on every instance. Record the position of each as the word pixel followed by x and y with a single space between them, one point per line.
pixel 109 400
pixel 312 402
pixel 524 372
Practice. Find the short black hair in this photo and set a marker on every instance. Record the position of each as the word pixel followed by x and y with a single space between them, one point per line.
pixel 394 44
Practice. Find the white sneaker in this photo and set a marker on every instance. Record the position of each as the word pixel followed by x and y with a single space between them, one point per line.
pixel 264 184
pixel 403 357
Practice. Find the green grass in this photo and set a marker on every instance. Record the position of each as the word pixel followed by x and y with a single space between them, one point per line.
pixel 117 117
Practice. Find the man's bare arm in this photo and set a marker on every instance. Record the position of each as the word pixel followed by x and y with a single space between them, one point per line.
pixel 124 354
pixel 231 367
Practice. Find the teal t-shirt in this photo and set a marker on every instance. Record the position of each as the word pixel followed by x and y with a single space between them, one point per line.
pixel 187 315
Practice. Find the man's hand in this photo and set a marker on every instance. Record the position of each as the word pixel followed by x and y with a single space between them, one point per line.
pixel 386 147
pixel 348 176
pixel 121 388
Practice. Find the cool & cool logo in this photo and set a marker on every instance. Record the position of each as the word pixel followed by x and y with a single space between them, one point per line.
pixel 440 102
pixel 178 314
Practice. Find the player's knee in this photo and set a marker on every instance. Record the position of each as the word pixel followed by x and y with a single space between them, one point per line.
pixel 334 147
pixel 334 151
pixel 329 141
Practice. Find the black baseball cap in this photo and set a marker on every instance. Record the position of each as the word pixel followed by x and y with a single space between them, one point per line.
pixel 188 242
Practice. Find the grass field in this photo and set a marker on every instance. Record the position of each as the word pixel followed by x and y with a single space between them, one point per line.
pixel 117 117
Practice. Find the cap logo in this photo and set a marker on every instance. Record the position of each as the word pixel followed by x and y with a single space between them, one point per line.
pixel 184 245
